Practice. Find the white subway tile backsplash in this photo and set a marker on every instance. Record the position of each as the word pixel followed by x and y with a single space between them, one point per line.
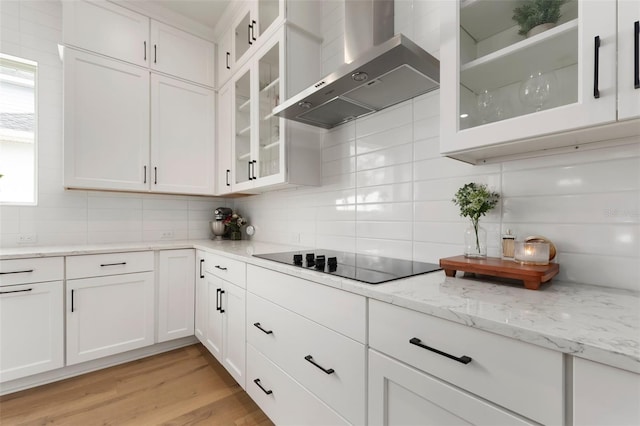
pixel 390 248
pixel 385 139
pixel 442 167
pixel 445 189
pixel 401 154
pixel 384 231
pixel 400 212
pixel 339 151
pixel 385 175
pixel 609 271
pixel 394 116
pixel 339 135
pixel 399 192
pixel 339 167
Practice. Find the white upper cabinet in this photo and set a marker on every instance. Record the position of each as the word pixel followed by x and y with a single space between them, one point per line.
pixel 183 55
pixel 268 150
pixel 108 29
pixel 256 19
pixel 628 59
pixel 106 126
pixel 182 137
pixel 499 86
pixel 224 141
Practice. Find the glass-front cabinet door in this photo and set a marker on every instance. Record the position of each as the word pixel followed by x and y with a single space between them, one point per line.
pixel 507 75
pixel 242 126
pixel 270 142
pixel 258 19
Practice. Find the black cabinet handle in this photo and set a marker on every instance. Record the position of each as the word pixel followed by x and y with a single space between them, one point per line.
pixel 155 175
pixel 26 271
pixel 72 300
pixel 102 265
pixel 218 298
pixel 16 291
pixel 145 174
pixel 145 51
pixel 257 324
pixel 636 48
pixel 253 28
pixel 463 359
pixel 310 359
pixel 228 56
pixel 201 262
pixel 220 267
pixel 596 66
pixel 221 293
pixel 249 34
pixel 257 382
pixel 155 54
pixel 253 169
pixel 249 170
pixel 227 177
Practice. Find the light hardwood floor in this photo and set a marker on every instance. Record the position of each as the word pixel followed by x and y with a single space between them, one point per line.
pixel 186 386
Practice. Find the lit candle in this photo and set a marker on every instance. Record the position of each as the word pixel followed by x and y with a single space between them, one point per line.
pixel 532 253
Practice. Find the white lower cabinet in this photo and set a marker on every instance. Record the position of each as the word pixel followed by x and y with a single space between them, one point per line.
pixel 176 288
pixel 495 368
pixel 402 395
pixel 220 315
pixel 283 399
pixel 312 334
pixel 604 395
pixel 31 329
pixel 109 314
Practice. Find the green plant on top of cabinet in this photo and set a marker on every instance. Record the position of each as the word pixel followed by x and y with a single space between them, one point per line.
pixel 499 87
pixel 269 151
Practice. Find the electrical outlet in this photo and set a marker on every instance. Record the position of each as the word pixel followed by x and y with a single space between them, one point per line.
pixel 27 238
pixel 167 235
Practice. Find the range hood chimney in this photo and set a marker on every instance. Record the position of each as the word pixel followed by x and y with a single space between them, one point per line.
pixel 380 70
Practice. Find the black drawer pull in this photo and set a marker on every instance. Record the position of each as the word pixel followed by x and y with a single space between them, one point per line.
pixel 201 262
pixel 102 265
pixel 257 382
pixel 72 304
pixel 257 324
pixel 310 359
pixel 636 52
pixel 463 359
pixel 218 290
pixel 27 271
pixel 220 267
pixel 16 291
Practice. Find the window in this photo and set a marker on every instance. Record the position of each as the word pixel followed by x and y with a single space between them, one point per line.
pixel 17 131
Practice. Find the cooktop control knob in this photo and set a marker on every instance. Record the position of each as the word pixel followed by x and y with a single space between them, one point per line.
pixel 320 260
pixel 332 261
pixel 310 259
pixel 297 259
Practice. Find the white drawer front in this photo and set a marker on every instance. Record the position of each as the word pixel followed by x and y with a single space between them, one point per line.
pixel 283 399
pixel 32 270
pixel 519 376
pixel 99 265
pixel 229 270
pixel 295 343
pixel 339 310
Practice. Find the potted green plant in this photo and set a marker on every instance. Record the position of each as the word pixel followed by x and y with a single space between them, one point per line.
pixel 475 200
pixel 536 16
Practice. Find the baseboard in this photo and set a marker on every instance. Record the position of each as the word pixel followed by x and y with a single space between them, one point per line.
pixel 89 366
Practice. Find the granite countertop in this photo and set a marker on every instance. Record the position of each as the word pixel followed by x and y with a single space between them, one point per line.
pixel 597 323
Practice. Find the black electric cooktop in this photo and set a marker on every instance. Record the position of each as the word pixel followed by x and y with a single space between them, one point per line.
pixel 360 267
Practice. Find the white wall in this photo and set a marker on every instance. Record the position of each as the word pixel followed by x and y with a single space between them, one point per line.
pixel 32 30
pixel 386 190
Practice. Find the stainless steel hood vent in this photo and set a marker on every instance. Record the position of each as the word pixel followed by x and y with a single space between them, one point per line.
pixel 388 73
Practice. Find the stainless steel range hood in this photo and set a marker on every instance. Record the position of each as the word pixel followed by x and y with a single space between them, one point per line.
pixel 388 72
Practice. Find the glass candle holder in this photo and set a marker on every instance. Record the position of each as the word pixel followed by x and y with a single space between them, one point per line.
pixel 532 253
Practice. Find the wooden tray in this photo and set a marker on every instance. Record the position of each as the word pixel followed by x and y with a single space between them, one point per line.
pixel 531 275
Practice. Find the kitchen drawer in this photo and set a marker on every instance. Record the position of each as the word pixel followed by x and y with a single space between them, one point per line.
pixel 519 376
pixel 32 270
pixel 337 309
pixel 282 398
pixel 229 270
pixel 100 265
pixel 288 340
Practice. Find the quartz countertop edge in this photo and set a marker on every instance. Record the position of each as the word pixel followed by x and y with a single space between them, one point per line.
pixel 592 322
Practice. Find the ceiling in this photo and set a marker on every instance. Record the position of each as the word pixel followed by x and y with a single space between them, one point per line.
pixel 206 12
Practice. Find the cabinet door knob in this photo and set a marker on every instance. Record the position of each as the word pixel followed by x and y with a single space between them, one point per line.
pixel 596 66
pixel 310 359
pixel 16 291
pixel 463 359
pixel 636 53
pixel 259 327
pixel 257 382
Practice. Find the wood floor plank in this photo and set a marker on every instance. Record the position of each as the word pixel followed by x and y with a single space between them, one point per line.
pixel 186 386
